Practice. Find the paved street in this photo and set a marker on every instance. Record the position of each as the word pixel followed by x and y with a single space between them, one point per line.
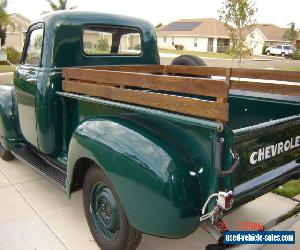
pixel 36 214
pixel 261 63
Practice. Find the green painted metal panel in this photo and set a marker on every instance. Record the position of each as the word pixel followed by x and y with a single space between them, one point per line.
pixel 266 147
pixel 162 165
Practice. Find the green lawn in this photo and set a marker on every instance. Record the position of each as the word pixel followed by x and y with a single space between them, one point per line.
pixel 6 68
pixel 295 68
pixel 290 189
pixel 196 53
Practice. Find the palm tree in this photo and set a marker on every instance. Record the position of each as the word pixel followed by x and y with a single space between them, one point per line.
pixel 159 26
pixel 292 33
pixel 61 5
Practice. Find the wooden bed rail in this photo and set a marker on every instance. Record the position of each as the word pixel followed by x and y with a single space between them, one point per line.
pixel 256 80
pixel 263 74
pixel 142 89
pixel 266 81
pixel 170 87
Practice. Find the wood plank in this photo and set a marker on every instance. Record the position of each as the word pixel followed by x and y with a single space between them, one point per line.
pixel 282 89
pixel 228 82
pixel 196 70
pixel 187 85
pixel 151 69
pixel 187 106
pixel 278 75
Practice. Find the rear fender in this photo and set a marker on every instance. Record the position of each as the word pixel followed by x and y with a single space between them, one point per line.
pixel 151 177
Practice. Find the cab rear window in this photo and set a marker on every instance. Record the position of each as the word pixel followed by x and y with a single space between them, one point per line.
pixel 101 40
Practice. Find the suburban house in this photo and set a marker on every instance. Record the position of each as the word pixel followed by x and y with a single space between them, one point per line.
pixel 261 36
pixel 203 34
pixel 16 33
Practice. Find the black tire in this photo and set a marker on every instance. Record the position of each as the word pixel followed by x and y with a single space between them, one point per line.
pixel 283 55
pixel 5 154
pixel 268 53
pixel 125 237
pixel 189 60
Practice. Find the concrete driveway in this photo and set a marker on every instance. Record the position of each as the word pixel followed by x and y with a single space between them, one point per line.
pixel 6 77
pixel 36 214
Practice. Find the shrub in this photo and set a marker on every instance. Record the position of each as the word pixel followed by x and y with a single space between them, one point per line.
pixel 137 47
pixel 102 45
pixel 179 47
pixel 264 49
pixel 296 56
pixel 13 56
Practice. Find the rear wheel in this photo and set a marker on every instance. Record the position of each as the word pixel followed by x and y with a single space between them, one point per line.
pixel 5 154
pixel 268 53
pixel 105 215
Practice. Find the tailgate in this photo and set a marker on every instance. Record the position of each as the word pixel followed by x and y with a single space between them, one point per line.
pixel 269 154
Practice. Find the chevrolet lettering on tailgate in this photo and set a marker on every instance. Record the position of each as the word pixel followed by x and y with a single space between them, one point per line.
pixel 275 149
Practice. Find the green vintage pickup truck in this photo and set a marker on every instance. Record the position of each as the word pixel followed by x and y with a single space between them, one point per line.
pixel 156 149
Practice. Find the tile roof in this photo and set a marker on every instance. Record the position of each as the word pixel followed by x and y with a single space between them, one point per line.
pixel 270 32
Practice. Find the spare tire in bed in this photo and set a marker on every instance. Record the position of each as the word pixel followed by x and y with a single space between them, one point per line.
pixel 189 60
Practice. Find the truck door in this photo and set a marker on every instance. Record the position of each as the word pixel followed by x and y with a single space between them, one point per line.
pixel 26 77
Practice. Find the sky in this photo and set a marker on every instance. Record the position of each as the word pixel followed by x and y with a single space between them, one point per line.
pixel 277 12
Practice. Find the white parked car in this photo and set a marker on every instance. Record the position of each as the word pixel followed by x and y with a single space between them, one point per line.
pixel 280 50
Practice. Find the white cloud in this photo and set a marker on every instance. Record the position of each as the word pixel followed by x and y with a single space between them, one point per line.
pixel 165 11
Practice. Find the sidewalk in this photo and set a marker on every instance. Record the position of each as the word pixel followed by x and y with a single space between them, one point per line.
pixel 36 214
pixel 6 77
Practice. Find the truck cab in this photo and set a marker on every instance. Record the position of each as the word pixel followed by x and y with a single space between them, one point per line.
pixel 52 43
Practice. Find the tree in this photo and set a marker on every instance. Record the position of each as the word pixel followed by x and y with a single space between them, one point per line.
pixel 4 20
pixel 61 5
pixel 292 33
pixel 159 26
pixel 2 35
pixel 238 16
pixel 102 45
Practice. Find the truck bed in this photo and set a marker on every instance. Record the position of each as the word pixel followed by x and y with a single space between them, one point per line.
pixel 238 97
pixel 255 109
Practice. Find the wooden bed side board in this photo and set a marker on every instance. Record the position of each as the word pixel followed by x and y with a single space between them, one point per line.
pixel 177 84
pixel 265 81
pixel 187 106
pixel 117 86
pixel 137 84
pixel 260 74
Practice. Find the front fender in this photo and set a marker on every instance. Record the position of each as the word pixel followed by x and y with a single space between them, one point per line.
pixel 8 134
pixel 151 176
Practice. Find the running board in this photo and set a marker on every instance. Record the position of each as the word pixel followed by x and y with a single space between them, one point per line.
pixel 43 164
